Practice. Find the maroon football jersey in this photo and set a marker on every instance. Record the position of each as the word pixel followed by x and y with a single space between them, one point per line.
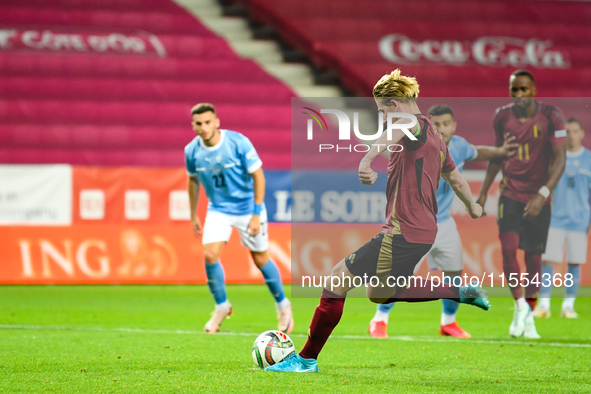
pixel 527 171
pixel 413 178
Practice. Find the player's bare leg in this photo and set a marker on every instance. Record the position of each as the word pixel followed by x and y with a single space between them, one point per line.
pixel 217 286
pixel 273 281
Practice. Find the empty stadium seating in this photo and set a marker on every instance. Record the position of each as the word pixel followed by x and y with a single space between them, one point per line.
pixel 443 43
pixel 112 82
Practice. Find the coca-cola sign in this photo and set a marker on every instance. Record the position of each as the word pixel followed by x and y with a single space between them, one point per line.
pixel 486 51
pixel 83 42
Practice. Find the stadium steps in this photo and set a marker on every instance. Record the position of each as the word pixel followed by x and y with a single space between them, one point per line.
pixel 265 52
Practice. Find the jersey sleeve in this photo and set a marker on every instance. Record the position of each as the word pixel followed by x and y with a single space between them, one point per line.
pixel 189 163
pixel 557 136
pixel 470 151
pixel 447 163
pixel 248 155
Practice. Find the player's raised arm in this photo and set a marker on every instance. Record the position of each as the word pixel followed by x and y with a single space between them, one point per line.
pixel 508 149
pixel 259 197
pixel 193 188
pixel 462 190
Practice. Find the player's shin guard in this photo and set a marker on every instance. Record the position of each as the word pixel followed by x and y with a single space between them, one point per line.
pixel 546 279
pixel 216 282
pixel 326 317
pixel 570 293
pixel 273 280
pixel 509 245
pixel 533 264
pixel 450 307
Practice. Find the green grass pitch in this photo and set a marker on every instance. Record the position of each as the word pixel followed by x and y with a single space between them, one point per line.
pixel 148 339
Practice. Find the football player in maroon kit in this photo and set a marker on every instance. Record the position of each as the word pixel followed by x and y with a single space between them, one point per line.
pixel 529 177
pixel 410 226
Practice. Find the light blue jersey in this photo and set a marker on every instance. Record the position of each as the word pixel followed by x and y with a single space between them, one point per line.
pixel 460 151
pixel 570 200
pixel 224 170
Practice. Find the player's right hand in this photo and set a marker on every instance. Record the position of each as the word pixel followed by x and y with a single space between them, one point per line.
pixel 481 201
pixel 197 229
pixel 475 211
pixel 367 176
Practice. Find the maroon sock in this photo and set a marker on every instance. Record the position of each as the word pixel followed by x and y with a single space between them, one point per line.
pixel 509 245
pixel 326 317
pixel 533 263
pixel 425 293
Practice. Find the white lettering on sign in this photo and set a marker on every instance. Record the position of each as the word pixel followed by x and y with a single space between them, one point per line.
pixel 83 42
pixel 179 207
pixel 92 204
pixel 487 51
pixel 137 204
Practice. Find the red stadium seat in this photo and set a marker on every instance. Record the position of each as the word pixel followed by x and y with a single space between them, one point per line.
pixel 104 82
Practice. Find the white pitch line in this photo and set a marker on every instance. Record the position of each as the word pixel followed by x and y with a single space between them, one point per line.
pixel 253 335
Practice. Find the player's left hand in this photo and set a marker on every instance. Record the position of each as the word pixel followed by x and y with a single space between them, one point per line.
pixel 509 147
pixel 254 227
pixel 534 206
pixel 367 176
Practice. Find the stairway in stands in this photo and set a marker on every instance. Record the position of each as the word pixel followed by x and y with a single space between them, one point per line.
pixel 105 82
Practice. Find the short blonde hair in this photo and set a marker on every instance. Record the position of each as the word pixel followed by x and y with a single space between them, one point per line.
pixel 397 87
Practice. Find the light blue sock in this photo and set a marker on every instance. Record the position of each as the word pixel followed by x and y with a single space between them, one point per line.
pixel 546 279
pixel 450 307
pixel 575 271
pixel 216 281
pixel 273 280
pixel 386 308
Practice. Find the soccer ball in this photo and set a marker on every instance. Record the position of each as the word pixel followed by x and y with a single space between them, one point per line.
pixel 271 347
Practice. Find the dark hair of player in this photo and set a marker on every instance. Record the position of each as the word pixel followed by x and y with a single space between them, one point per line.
pixel 523 73
pixel 441 109
pixel 575 120
pixel 202 108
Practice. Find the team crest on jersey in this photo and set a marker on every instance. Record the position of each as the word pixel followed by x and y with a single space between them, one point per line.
pixel 218 159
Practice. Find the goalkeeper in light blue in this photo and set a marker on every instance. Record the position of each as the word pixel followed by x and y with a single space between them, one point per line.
pixel 230 170
pixel 571 215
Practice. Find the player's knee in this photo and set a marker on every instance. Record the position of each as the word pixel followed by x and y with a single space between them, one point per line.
pixel 509 248
pixel 260 258
pixel 340 270
pixel 211 256
pixel 376 295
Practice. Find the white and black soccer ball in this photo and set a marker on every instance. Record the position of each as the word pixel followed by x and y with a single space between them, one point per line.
pixel 271 347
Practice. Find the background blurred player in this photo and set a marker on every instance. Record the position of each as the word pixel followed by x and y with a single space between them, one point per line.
pixel 571 214
pixel 524 210
pixel 229 168
pixel 446 253
pixel 410 227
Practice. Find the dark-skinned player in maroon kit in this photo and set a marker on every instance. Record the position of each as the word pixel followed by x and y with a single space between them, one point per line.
pixel 529 177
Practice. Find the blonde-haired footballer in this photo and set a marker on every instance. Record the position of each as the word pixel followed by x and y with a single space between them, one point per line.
pixel 410 224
